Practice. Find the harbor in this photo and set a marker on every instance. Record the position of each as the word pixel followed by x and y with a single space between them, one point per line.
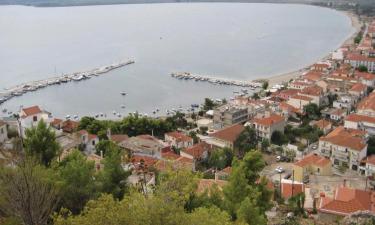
pixel 31 86
pixel 215 80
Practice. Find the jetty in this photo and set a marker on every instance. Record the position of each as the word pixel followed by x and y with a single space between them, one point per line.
pixel 215 80
pixel 21 89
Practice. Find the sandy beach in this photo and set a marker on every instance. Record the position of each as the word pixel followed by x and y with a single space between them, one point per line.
pixel 278 79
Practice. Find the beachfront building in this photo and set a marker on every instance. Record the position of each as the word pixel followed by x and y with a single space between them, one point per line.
pixel 344 146
pixel 3 131
pixel 178 139
pixel 356 60
pixel 266 125
pixel 312 164
pixel 228 115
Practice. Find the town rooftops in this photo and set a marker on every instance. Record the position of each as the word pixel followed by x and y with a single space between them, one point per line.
pixel 347 201
pixel 31 110
pixel 290 188
pixel 268 121
pixel 69 126
pixel 301 97
pixel 359 57
pixel 312 90
pixel 229 134
pixel 358 87
pixel 313 159
pixel 321 124
pixel 367 103
pixel 313 75
pixel 89 136
pixel 346 137
pixel 360 118
pixel 180 137
pixel 365 76
pixel 118 138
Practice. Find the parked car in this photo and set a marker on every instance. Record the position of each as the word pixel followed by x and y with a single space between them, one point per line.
pixel 278 158
pixel 279 169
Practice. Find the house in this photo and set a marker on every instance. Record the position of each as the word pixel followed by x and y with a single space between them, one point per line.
pixel 144 145
pixel 344 102
pixel 313 75
pixel 299 101
pixel 225 137
pixel 178 139
pixel 367 106
pixel 287 110
pixel 175 163
pixel 300 84
pixel 208 184
pixel 320 67
pixel 337 114
pixel 88 141
pixel 315 93
pixel 69 126
pixel 287 93
pixel 323 125
pixel 356 60
pixel 31 116
pixel 370 165
pixel 197 152
pixel 347 201
pixel 3 131
pixel 265 126
pixel 229 114
pixel 291 188
pixel 344 146
pixel 361 122
pixel 97 161
pixel 311 164
pixel 359 90
pixel 366 78
pixel 224 173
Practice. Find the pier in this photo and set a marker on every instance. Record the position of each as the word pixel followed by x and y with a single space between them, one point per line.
pixel 215 80
pixel 21 89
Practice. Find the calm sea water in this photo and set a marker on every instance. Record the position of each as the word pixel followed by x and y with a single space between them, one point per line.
pixel 236 40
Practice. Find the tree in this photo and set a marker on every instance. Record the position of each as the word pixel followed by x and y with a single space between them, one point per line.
pixel 246 141
pixel 265 144
pixel 250 213
pixel 278 138
pixel 251 165
pixel 113 177
pixel 78 186
pixel 28 192
pixel 265 85
pixel 103 145
pixel 193 135
pixel 40 142
pixel 362 68
pixel 264 199
pixel 208 104
pixel 312 111
pixel 371 145
pixel 256 96
pixel 209 216
pixel 220 158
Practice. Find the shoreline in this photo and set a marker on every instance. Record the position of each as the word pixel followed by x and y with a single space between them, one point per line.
pixel 278 79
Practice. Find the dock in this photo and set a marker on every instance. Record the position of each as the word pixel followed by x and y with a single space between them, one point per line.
pixel 31 86
pixel 215 80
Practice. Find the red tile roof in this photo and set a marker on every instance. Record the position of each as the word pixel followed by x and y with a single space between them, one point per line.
pixel 268 121
pixel 206 184
pixel 197 150
pixel 321 124
pixel 69 126
pixel 313 159
pixel 359 57
pixel 147 161
pixel 360 118
pixel 119 137
pixel 358 87
pixel 56 122
pixel 312 90
pixel 300 97
pixel 180 137
pixel 367 103
pixel 346 137
pixel 347 201
pixel 169 155
pixel 31 110
pixel 287 188
pixel 313 75
pixel 229 134
pixel 365 76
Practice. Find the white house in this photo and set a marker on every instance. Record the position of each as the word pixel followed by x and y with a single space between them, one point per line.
pixel 30 117
pixel 3 131
pixel 267 125
pixel 356 60
pixel 370 165
pixel 299 101
pixel 89 141
pixel 178 139
pixel 361 122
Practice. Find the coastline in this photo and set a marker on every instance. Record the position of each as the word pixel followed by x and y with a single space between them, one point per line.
pixel 278 79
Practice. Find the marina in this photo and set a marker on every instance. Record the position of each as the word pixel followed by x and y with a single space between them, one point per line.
pixel 21 89
pixel 215 80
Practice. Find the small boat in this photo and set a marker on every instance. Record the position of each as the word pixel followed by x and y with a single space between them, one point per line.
pixel 101 114
pixel 75 116
pixel 123 106
pixel 4 110
pixel 123 93
pixel 67 117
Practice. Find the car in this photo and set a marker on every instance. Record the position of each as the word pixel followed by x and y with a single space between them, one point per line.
pixel 279 169
pixel 314 147
pixel 278 158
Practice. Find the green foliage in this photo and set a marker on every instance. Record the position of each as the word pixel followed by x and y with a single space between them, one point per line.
pixel 296 204
pixel 220 158
pixel 40 143
pixel 256 96
pixel 112 179
pixel 193 135
pixel 362 68
pixel 246 141
pixel 265 144
pixel 103 145
pixel 305 131
pixel 208 104
pixel 251 165
pixel 265 85
pixel 311 111
pixel 371 145
pixel 358 38
pixel 76 175
pixel 278 138
pixel 203 130
pixel 265 197
pixel 250 213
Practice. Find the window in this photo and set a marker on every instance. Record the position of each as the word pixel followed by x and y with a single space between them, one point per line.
pixel 2 131
pixel 35 118
pixel 93 142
